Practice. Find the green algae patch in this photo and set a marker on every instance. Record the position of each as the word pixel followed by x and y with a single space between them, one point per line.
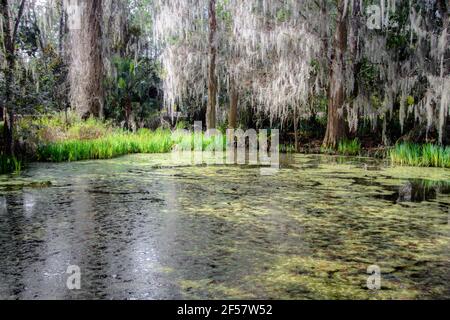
pixel 207 288
pixel 17 184
pixel 309 278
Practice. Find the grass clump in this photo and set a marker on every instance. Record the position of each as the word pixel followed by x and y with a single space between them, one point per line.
pixel 287 148
pixel 345 147
pixel 111 145
pixel 9 164
pixel 66 137
pixel 349 147
pixel 119 142
pixel 427 155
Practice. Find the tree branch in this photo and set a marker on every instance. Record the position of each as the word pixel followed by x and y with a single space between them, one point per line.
pixel 19 17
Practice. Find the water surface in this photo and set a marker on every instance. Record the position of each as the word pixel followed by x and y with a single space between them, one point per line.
pixel 143 227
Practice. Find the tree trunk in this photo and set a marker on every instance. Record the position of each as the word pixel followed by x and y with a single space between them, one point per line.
pixel 296 130
pixel 443 65
pixel 4 11
pixel 336 124
pixel 9 51
pixel 128 109
pixel 9 37
pixel 86 67
pixel 324 30
pixel 212 78
pixel 96 73
pixel 8 133
pixel 234 101
pixel 62 28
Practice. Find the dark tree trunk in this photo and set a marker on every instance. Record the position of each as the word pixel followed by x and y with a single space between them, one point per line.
pixel 8 72
pixel 8 134
pixel 9 37
pixel 95 89
pixel 212 77
pixel 296 130
pixel 234 101
pixel 128 110
pixel 336 123
pixel 9 51
pixel 354 40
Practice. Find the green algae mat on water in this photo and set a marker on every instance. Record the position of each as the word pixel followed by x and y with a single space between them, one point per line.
pixel 147 227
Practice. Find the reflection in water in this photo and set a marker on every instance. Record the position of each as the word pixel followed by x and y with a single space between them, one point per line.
pixel 142 230
pixel 418 191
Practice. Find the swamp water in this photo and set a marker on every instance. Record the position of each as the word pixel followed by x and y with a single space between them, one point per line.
pixel 141 227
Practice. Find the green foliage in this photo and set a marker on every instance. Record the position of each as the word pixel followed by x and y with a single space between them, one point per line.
pixel 112 145
pixel 136 82
pixel 40 85
pixel 367 73
pixel 345 147
pixel 182 125
pixel 120 143
pixel 410 101
pixel 283 14
pixel 349 147
pixel 287 148
pixel 9 164
pixel 187 142
pixel 223 14
pixel 399 34
pixel 428 155
pixel 66 137
pixel 59 127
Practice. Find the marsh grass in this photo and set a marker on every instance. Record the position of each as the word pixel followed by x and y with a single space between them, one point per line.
pixel 349 147
pixel 9 165
pixel 66 137
pixel 121 143
pixel 115 142
pixel 345 148
pixel 190 141
pixel 287 148
pixel 109 146
pixel 427 155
